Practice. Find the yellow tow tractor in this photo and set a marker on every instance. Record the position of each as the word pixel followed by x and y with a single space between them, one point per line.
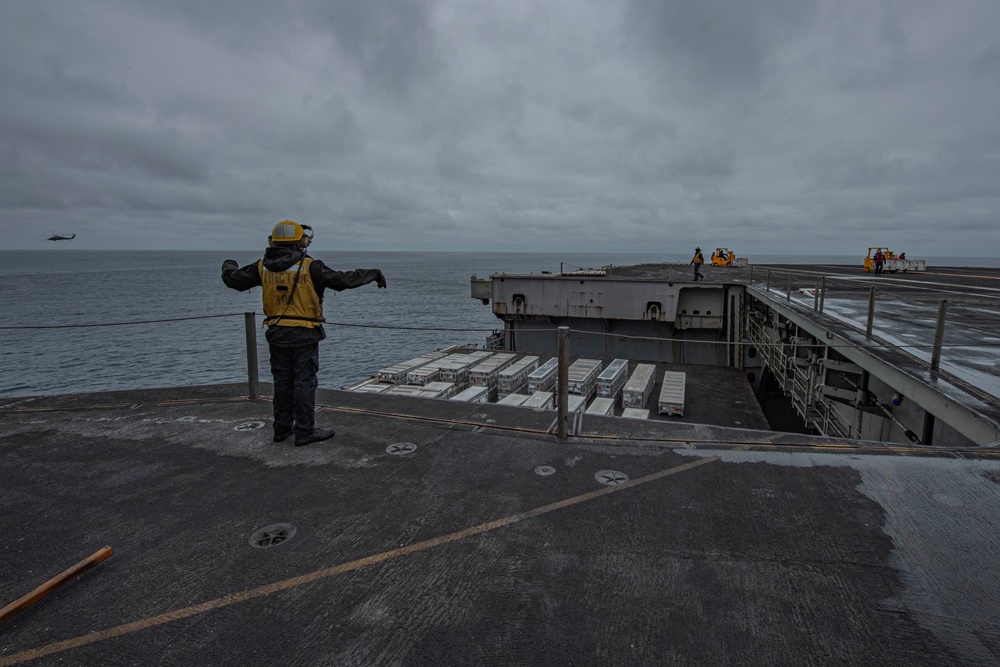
pixel 726 257
pixel 891 262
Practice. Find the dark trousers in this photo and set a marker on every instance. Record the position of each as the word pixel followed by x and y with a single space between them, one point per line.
pixel 697 272
pixel 294 372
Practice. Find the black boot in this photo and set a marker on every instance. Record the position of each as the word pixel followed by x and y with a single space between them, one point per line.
pixel 318 435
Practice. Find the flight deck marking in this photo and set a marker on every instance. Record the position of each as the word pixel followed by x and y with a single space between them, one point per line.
pixel 611 477
pixel 249 426
pixel 278 586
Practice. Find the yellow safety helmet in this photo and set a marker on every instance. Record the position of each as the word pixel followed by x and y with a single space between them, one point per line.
pixel 289 231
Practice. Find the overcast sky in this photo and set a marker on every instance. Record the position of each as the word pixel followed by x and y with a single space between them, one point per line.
pixel 763 125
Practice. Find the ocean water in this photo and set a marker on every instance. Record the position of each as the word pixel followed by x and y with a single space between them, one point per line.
pixel 428 293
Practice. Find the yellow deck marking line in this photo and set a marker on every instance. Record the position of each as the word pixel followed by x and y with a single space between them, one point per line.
pixel 268 589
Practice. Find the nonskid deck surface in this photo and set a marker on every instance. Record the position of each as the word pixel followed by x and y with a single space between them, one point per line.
pixel 432 532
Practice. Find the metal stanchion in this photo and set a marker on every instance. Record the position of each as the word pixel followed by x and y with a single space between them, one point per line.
pixel 562 384
pixel 252 379
pixel 816 298
pixel 822 292
pixel 769 280
pixel 939 335
pixel 871 312
pixel 788 293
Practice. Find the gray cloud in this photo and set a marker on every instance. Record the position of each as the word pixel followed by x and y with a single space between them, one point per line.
pixel 818 126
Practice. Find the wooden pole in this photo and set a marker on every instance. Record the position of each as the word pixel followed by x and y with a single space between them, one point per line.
pixel 49 586
pixel 253 382
pixel 562 384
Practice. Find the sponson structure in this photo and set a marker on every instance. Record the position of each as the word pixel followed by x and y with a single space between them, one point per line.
pixel 912 357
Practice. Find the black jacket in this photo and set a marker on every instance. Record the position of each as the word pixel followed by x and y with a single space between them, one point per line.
pixel 280 258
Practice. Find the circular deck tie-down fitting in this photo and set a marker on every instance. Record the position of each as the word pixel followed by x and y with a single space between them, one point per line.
pixel 611 477
pixel 401 448
pixel 545 471
pixel 248 426
pixel 273 535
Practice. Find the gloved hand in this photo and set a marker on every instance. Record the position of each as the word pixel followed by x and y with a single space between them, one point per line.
pixel 229 265
pixel 380 280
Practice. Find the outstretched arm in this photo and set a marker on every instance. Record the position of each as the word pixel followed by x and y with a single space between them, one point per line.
pixel 324 276
pixel 240 279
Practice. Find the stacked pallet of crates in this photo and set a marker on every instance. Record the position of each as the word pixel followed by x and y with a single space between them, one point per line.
pixel 635 393
pixel 396 374
pixel 513 378
pixel 612 379
pixel 583 377
pixel 672 393
pixel 423 375
pixel 543 378
pixel 455 367
pixel 486 373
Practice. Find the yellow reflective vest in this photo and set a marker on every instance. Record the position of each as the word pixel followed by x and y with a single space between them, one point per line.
pixel 290 299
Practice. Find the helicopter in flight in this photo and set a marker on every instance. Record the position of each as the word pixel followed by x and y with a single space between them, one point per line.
pixel 56 237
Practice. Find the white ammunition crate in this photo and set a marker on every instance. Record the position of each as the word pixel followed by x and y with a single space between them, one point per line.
pixel 583 376
pixel 635 393
pixel 472 395
pixel 575 403
pixel 540 400
pixel 364 384
pixel 602 406
pixel 373 387
pixel 513 399
pixel 515 376
pixel 438 390
pixel 672 393
pixel 543 378
pixel 423 375
pixel 612 379
pixel 397 373
pixel 635 413
pixel 486 373
pixel 405 390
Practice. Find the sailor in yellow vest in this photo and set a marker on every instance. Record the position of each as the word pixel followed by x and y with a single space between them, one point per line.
pixel 698 260
pixel 293 285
